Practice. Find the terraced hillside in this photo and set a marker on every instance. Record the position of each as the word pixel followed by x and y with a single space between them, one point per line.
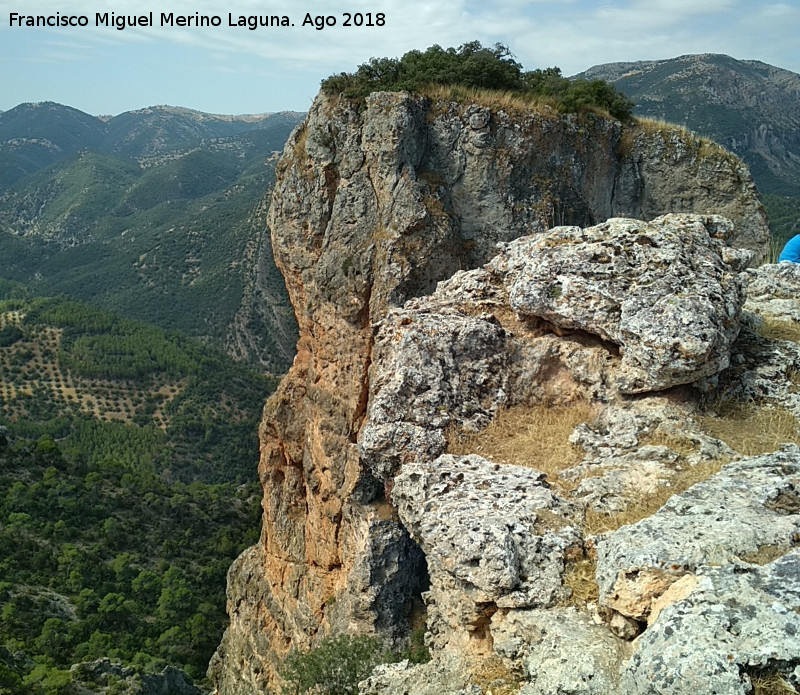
pixel 80 375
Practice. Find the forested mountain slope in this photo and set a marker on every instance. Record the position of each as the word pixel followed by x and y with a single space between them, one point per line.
pixel 155 214
pixel 127 486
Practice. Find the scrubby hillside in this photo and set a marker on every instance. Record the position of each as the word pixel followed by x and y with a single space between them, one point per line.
pixel 104 558
pixel 154 214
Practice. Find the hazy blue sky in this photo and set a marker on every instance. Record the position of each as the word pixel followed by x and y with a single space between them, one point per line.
pixel 235 70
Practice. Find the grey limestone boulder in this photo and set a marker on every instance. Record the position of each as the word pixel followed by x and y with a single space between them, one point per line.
pixel 740 619
pixel 445 675
pixel 659 290
pixel 749 505
pixel 563 651
pixel 104 675
pixel 762 370
pixel 488 525
pixel 431 369
pixel 774 290
pixel 494 537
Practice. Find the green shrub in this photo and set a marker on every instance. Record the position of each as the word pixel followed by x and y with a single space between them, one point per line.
pixel 10 334
pixel 335 667
pixel 416 651
pixel 473 65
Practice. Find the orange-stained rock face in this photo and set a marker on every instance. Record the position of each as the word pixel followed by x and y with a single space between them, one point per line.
pixel 373 206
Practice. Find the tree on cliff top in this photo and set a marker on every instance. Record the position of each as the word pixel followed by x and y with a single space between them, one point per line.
pixel 473 65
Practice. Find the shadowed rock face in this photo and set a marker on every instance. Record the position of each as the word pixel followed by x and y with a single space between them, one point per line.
pixel 372 207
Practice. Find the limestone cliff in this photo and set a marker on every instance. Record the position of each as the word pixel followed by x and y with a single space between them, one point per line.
pixel 374 205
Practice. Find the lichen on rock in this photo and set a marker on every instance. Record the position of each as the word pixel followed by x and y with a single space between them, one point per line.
pixel 749 504
pixel 739 618
pixel 495 537
pixel 659 290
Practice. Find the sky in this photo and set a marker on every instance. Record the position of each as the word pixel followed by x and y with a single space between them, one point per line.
pixel 234 70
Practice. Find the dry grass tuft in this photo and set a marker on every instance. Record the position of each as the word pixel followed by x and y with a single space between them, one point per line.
pixel 492 675
pixel 775 248
pixel 300 155
pixel 658 125
pixel 774 329
pixel 749 428
pixel 299 147
pixel 580 579
pixel 598 522
pixel 683 446
pixel 745 427
pixel 494 99
pixel 535 436
pixel 770 683
pixel 764 555
pixel 704 147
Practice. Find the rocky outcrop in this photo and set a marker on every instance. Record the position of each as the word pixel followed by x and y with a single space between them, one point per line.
pixel 772 291
pixel 738 622
pixel 562 651
pixel 766 358
pixel 494 537
pixel 433 678
pixel 638 306
pixel 105 676
pixel 373 207
pixel 746 105
pixel 750 505
pixel 669 170
pixel 660 291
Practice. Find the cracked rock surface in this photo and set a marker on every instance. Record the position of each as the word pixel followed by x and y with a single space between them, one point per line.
pixel 750 504
pixel 740 619
pixel 659 290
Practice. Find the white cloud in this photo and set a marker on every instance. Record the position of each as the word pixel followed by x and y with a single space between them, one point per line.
pixel 573 34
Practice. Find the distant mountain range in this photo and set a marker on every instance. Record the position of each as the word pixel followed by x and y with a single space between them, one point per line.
pixel 154 213
pixel 751 108
pixel 33 136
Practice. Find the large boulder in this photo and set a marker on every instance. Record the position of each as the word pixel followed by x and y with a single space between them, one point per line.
pixel 562 650
pixel 659 290
pixel 433 369
pixel 495 536
pixel 739 621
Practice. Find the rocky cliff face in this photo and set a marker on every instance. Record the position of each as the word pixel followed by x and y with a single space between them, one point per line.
pixel 373 207
pixel 748 106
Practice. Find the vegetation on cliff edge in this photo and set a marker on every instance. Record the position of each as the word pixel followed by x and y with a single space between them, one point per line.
pixel 473 65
